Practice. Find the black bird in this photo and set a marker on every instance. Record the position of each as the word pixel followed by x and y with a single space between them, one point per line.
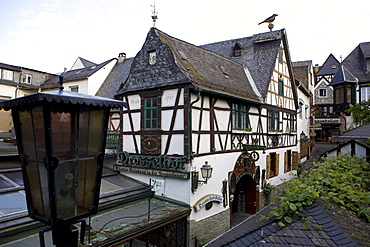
pixel 269 20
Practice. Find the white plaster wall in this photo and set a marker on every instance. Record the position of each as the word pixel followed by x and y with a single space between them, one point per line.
pixel 169 97
pixel 176 146
pixel 222 164
pixel 174 188
pixel 82 86
pixel 97 79
pixel 7 92
pixel 134 101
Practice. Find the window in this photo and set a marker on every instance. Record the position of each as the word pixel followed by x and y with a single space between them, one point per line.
pixel 151 113
pixel 73 89
pixel 237 50
pixel 240 116
pixel 152 57
pixel 306 111
pixel 293 126
pixel 272 165
pixel 7 75
pixel 322 92
pixel 27 78
pixel 273 120
pixel 281 55
pixel 339 95
pixel 365 94
pixel 300 110
pixel 281 86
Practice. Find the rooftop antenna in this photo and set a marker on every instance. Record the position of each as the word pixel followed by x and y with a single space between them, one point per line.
pixel 154 15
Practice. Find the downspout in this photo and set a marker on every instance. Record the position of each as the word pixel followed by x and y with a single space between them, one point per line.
pixel 197 91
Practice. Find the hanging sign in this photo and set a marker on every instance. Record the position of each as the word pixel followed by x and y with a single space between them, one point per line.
pixel 202 202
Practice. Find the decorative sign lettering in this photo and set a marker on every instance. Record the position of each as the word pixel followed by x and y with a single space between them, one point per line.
pixel 266 37
pixel 202 202
pixel 161 162
pixel 327 120
pixel 168 98
pixel 134 103
pixel 253 147
pixel 169 174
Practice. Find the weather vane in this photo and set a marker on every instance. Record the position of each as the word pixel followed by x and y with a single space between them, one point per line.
pixel 269 21
pixel 154 15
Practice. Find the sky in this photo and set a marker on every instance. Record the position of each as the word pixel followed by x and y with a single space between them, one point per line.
pixel 49 35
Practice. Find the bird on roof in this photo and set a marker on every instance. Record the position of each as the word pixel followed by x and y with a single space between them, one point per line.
pixel 269 20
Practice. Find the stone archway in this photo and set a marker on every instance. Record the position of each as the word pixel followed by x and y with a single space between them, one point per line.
pixel 243 188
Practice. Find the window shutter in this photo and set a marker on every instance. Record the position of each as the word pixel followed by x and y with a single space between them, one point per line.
pixel 277 164
pixel 285 162
pixel 295 160
pixel 268 168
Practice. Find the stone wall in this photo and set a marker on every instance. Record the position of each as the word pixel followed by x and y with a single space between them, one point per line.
pixel 209 228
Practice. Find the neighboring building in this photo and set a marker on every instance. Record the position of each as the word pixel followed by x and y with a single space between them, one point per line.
pixel 304 76
pixel 84 77
pixel 351 84
pixel 232 105
pixel 16 81
pixel 326 121
pixel 356 142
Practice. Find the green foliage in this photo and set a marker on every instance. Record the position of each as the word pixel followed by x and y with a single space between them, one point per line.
pixel 342 179
pixel 267 189
pixel 360 112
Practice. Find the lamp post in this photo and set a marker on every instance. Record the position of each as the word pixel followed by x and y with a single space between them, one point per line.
pixel 61 139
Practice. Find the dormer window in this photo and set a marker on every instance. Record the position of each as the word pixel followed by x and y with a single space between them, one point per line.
pixel 237 50
pixel 333 66
pixel 152 57
pixel 7 75
pixel 27 78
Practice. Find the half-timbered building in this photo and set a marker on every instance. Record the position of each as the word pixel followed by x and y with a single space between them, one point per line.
pixel 326 121
pixel 229 107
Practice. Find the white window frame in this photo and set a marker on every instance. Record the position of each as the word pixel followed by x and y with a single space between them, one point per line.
pixel 323 90
pixel 365 94
pixel 73 88
pixel 7 75
pixel 27 78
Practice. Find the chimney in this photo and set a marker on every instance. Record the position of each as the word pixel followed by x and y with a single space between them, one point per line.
pixel 121 57
pixel 65 69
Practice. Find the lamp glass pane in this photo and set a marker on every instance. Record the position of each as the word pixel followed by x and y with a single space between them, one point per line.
pixel 86 185
pixel 38 185
pixel 90 131
pixel 65 189
pixel 63 126
pixel 33 147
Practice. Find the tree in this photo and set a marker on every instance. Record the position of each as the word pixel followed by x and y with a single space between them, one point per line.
pixel 360 112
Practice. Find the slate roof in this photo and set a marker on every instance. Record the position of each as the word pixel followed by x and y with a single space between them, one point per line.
pixel 77 74
pixel 256 232
pixel 361 134
pixel 327 67
pixel 200 67
pixel 343 75
pixel 355 61
pixel 259 57
pixel 116 77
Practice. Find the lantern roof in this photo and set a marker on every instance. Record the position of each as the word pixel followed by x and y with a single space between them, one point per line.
pixel 59 96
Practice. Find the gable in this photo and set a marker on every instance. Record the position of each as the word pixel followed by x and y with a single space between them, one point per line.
pixel 178 62
pixel 329 67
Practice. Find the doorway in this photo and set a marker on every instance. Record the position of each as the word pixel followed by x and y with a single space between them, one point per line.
pixel 245 199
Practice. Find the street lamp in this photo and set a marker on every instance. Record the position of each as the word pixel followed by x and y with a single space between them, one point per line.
pixel 61 139
pixel 206 171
